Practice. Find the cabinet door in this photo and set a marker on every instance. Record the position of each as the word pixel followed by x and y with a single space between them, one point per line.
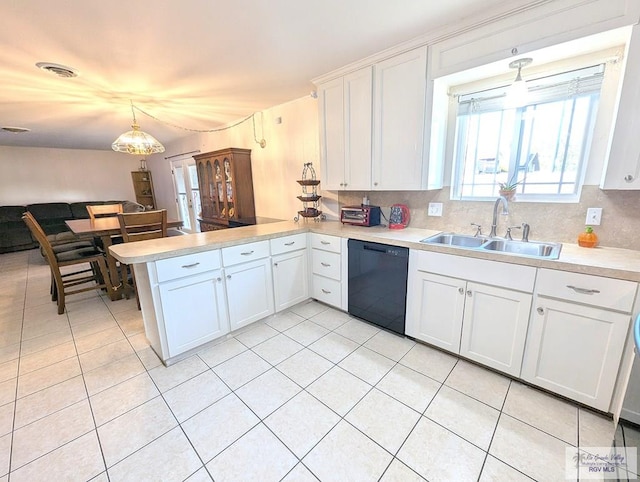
pixel 435 305
pixel 194 311
pixel 331 120
pixel 494 327
pixel 399 114
pixel 622 170
pixel 290 279
pixel 358 123
pixel 249 292
pixel 575 350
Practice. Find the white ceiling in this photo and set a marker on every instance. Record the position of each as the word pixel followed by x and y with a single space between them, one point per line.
pixel 194 63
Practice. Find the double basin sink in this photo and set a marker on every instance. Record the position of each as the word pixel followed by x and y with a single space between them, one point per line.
pixel 532 249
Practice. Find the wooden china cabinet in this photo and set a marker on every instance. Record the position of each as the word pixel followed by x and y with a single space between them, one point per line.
pixel 226 187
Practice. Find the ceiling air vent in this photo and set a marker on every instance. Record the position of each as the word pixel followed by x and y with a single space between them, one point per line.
pixel 15 130
pixel 57 69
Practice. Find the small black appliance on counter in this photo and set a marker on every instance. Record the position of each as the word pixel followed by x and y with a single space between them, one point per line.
pixel 363 215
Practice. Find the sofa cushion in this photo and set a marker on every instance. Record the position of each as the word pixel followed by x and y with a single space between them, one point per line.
pixel 51 216
pixel 14 233
pixel 132 207
pixel 43 211
pixel 16 239
pixel 79 209
pixel 11 213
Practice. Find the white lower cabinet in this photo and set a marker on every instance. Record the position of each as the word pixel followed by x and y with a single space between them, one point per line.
pixel 194 311
pixel 435 307
pixel 575 350
pixel 494 327
pixel 290 279
pixel 483 322
pixel 249 292
pixel 183 302
pixel 577 333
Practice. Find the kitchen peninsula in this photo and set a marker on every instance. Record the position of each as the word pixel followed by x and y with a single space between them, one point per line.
pixel 197 288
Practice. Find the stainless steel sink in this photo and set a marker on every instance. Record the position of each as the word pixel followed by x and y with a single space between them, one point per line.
pixel 530 248
pixel 534 249
pixel 453 239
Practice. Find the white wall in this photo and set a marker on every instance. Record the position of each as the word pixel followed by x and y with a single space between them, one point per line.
pixel 275 168
pixel 33 175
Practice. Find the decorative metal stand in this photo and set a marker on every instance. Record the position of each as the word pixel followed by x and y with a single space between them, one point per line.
pixel 310 199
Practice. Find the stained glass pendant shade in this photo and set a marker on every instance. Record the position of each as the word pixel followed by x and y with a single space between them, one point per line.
pixel 136 141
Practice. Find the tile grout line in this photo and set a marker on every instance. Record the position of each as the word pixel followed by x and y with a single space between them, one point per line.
pixel 15 399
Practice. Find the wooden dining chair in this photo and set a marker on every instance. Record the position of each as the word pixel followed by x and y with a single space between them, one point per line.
pixel 73 282
pixel 145 225
pixel 103 210
pixel 140 227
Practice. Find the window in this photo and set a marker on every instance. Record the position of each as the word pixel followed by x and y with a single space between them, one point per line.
pixel 542 146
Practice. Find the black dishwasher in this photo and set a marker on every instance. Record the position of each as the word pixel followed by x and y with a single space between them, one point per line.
pixel 378 283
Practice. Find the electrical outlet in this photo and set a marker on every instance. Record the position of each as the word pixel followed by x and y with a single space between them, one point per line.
pixel 594 216
pixel 435 209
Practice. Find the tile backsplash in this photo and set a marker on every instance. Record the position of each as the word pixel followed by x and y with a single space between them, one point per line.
pixel 559 222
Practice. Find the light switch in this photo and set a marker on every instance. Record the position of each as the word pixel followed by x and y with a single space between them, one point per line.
pixel 594 216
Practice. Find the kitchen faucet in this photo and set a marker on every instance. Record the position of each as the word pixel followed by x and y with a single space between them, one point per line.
pixel 505 210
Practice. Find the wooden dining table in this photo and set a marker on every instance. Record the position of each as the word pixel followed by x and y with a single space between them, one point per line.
pixel 104 228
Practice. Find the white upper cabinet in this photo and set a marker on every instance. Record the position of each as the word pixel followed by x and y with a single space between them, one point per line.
pixel 398 124
pixel 373 129
pixel 357 121
pixel 622 169
pixel 544 26
pixel 345 131
pixel 331 114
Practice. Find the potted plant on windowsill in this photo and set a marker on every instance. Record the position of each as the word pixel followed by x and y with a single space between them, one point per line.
pixel 508 189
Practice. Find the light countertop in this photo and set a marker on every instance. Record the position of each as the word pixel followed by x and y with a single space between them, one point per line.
pixel 601 261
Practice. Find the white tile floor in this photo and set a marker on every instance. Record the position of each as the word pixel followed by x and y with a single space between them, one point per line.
pixel 308 394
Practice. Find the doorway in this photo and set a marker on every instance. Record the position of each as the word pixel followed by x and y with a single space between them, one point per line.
pixel 185 181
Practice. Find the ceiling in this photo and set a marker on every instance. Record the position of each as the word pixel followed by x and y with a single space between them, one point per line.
pixel 196 63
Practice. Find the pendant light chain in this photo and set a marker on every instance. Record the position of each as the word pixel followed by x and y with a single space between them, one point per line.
pixel 262 142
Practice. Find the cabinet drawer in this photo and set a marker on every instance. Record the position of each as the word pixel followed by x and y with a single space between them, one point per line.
pixel 326 264
pixel 613 294
pixel 327 290
pixel 187 265
pixel 287 244
pixel 245 252
pixel 323 241
pixel 495 273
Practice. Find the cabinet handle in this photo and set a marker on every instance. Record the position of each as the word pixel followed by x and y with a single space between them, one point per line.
pixel 326 292
pixel 375 183
pixel 326 265
pixel 275 264
pixel 461 290
pixel 583 291
pixel 325 242
pixel 290 244
pixel 228 276
pixel 192 265
pixel 218 279
pixel 469 293
pixel 540 310
pixel 342 183
pixel 247 253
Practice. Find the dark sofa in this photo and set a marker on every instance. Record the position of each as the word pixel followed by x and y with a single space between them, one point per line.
pixel 15 236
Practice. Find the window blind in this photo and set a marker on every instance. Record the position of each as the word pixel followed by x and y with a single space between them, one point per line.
pixel 585 81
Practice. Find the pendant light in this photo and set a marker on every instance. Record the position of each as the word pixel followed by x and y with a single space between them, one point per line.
pixel 518 93
pixel 136 141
